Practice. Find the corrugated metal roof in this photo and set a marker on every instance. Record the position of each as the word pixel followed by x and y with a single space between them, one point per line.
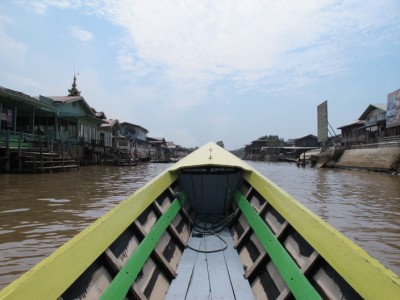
pixel 358 122
pixel 156 139
pixel 69 99
pixel 372 107
pixel 133 125
pixel 24 98
pixel 309 135
pixel 65 99
pixel 110 123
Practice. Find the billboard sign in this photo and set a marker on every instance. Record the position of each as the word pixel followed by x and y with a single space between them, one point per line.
pixel 322 113
pixel 393 109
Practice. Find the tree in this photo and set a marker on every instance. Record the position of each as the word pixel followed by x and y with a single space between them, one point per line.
pixel 238 152
pixel 273 140
pixel 221 144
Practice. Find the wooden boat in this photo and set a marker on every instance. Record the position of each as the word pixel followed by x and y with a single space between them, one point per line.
pixel 209 227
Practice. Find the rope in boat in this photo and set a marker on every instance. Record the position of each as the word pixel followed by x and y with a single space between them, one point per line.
pixel 216 227
pixel 212 226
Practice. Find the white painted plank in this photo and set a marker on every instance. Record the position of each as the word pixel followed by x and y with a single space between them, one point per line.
pixel 219 278
pixel 241 286
pixel 200 285
pixel 180 284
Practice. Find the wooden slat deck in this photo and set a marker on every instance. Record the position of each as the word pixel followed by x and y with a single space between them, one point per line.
pixel 217 275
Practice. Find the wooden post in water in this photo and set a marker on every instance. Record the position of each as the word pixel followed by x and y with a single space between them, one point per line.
pixel 62 154
pixel 8 150
pixel 104 155
pixel 19 152
pixel 41 153
pixel 77 151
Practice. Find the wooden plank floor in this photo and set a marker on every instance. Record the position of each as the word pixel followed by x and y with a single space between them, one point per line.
pixel 217 275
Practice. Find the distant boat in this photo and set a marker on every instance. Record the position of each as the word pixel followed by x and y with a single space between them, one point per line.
pixel 209 227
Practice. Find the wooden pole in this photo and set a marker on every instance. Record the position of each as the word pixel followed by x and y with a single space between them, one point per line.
pixel 15 119
pixel 77 152
pixel 8 162
pixel 62 154
pixel 19 152
pixel 33 121
pixel 41 153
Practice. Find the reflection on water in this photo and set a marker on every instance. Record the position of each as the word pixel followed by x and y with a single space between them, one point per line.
pixel 40 212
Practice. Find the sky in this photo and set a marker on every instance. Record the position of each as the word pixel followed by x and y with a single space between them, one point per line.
pixel 207 70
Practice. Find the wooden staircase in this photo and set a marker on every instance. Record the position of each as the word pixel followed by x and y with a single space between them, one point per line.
pixel 39 162
pixel 27 153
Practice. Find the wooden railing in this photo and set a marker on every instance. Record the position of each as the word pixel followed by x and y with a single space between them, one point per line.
pixel 390 141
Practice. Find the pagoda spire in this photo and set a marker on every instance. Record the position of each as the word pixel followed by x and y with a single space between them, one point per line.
pixel 73 91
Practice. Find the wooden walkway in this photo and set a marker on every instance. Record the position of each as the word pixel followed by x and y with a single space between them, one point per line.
pixel 217 275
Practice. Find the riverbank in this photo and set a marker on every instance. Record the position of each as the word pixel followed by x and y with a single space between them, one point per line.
pixel 378 159
pixel 373 157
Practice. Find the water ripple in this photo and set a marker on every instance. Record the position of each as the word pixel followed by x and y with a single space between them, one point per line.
pixel 364 206
pixel 38 213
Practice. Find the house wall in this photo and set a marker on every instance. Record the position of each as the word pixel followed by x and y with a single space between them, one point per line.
pixel 73 108
pixel 375 116
pixel 68 129
pixel 142 149
pixel 352 135
pixel 75 112
pixel 308 141
pixel 124 144
pixel 393 131
pixel 88 130
pixel 107 136
pixel 139 133
pixel 376 119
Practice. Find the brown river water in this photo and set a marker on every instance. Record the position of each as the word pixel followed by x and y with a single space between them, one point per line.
pixel 40 212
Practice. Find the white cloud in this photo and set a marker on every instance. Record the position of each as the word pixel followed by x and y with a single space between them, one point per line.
pixel 39 7
pixel 125 61
pixel 249 40
pixel 81 34
pixel 180 54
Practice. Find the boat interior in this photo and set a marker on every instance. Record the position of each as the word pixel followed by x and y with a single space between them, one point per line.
pixel 225 241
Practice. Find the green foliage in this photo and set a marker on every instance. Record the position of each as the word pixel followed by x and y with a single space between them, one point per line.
pixel 273 140
pixel 238 152
pixel 221 144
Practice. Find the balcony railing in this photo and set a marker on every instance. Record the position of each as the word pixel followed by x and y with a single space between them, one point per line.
pixel 384 142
